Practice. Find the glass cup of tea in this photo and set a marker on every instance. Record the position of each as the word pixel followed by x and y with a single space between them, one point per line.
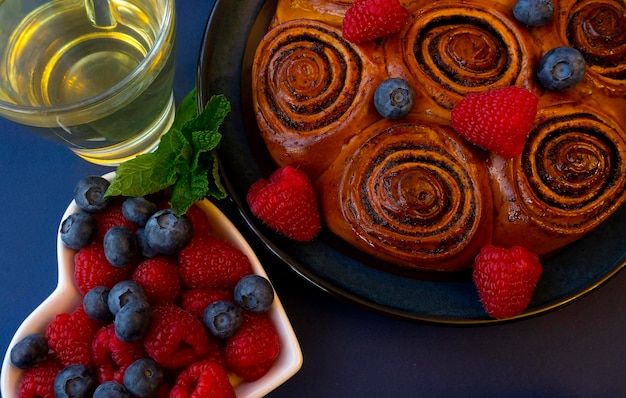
pixel 95 75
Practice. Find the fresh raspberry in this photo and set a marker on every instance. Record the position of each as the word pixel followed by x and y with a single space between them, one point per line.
pixel 38 381
pixel 92 269
pixel 111 356
pixel 497 120
pixel 160 279
pixel 286 203
pixel 505 279
pixel 196 300
pixel 199 220
pixel 252 350
pixel 203 379
pixel 164 390
pixel 175 338
pixel 211 262
pixel 216 352
pixel 366 20
pixel 112 216
pixel 70 335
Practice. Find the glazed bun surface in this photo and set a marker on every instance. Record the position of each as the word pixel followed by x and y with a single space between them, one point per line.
pixel 412 192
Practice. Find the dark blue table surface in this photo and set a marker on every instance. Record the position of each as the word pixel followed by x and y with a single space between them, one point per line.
pixel 576 351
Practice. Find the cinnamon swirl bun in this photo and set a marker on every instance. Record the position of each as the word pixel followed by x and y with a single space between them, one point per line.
pixel 568 180
pixel 409 192
pixel 597 28
pixel 310 88
pixel 453 48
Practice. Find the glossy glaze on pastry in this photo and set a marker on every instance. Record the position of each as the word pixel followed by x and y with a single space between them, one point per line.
pixel 412 192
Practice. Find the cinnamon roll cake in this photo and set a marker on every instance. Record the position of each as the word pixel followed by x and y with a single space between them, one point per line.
pixel 412 192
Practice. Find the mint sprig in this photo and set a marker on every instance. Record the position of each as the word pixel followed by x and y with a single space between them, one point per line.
pixel 185 160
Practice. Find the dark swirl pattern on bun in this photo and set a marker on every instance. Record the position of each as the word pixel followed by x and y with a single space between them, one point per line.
pixel 597 28
pixel 310 86
pixel 453 50
pixel 568 180
pixel 412 192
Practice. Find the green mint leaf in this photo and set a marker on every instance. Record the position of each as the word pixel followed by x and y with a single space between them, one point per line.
pixel 189 188
pixel 181 198
pixel 144 176
pixel 216 189
pixel 185 160
pixel 187 110
pixel 211 118
pixel 152 172
pixel 194 182
pixel 207 162
pixel 205 141
pixel 174 147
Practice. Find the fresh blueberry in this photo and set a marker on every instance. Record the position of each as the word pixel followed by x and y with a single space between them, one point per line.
pixel 124 292
pixel 78 230
pixel 96 304
pixel 111 389
pixel 144 248
pixel 120 246
pixel 132 321
pixel 394 98
pixel 143 377
pixel 138 210
pixel 561 68
pixel 254 293
pixel 168 233
pixel 533 12
pixel 29 351
pixel 74 381
pixel 89 194
pixel 222 318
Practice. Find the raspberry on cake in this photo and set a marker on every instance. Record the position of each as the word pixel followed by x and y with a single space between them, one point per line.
pixel 498 120
pixel 366 20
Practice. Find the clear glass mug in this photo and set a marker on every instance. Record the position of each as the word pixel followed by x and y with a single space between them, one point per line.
pixel 95 75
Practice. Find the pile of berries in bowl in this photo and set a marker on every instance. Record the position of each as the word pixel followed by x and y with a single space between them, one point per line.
pixel 151 304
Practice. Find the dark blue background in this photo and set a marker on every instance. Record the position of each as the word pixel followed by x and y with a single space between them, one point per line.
pixel 576 351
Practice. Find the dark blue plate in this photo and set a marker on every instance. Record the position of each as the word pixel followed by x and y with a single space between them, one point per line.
pixel 232 34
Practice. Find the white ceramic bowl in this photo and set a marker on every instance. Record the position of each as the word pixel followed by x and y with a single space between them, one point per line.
pixel 66 297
